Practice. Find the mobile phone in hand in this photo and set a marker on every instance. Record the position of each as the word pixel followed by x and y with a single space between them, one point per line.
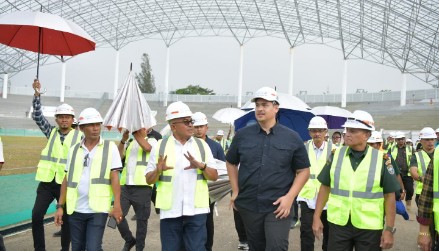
pixel 112 222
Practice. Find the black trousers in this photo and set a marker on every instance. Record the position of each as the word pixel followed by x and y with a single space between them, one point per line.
pixel 348 237
pixel 239 226
pixel 306 233
pixel 46 193
pixel 210 227
pixel 408 186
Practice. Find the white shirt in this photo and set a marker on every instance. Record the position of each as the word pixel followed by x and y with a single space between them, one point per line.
pixel 312 202
pixel 184 181
pixel 82 205
pixel 132 159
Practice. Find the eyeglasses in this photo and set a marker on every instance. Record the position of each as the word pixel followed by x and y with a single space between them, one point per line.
pixel 317 130
pixel 186 122
pixel 336 137
pixel 86 160
pixel 364 122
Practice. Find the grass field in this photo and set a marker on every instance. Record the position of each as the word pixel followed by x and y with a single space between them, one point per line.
pixel 21 154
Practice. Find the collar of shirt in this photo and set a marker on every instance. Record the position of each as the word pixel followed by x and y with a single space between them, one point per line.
pixel 272 130
pixel 318 148
pixel 357 154
pixel 101 141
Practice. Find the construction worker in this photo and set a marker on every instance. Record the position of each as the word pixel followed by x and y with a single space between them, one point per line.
pixel 358 185
pixel 264 187
pixel 402 155
pixel 319 152
pixel 224 142
pixel 420 160
pixel 134 189
pixel 336 138
pixel 200 131
pixel 90 184
pixel 181 164
pixel 50 169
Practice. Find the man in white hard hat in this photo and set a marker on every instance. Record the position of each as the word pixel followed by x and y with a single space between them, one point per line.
pixel 223 141
pixel 421 159
pixel 402 155
pixel 200 131
pixel 319 152
pixel 427 217
pixel 90 184
pixel 359 187
pixel 264 188
pixel 50 172
pixel 134 189
pixel 181 164
pixel 336 138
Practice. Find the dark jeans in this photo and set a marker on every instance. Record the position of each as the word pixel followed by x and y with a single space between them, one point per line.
pixel 210 228
pixel 190 230
pixel 2 244
pixel 239 226
pixel 46 193
pixel 87 230
pixel 264 231
pixel 306 233
pixel 345 238
pixel 408 186
pixel 140 198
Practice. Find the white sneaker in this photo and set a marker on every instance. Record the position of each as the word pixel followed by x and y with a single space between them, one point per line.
pixel 243 245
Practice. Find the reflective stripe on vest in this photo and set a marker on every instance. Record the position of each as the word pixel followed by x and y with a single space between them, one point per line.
pixel 422 168
pixel 408 154
pixel 435 161
pixel 100 191
pixel 352 196
pixel 165 183
pixel 139 169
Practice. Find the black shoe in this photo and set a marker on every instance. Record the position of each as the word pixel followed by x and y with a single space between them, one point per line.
pixel 129 245
pixel 57 234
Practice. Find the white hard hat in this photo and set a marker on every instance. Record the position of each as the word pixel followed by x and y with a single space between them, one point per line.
pixel 199 119
pixel 427 133
pixel 409 140
pixel 89 116
pixel 437 130
pixel 266 93
pixel 392 134
pixel 399 135
pixel 375 137
pixel 65 109
pixel 75 121
pixel 177 110
pixel 317 122
pixel 360 119
pixel 220 133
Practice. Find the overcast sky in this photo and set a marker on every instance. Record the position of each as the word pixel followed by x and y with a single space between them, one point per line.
pixel 214 63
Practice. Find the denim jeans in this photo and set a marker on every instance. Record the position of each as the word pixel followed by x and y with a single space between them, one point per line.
pixel 187 230
pixel 87 230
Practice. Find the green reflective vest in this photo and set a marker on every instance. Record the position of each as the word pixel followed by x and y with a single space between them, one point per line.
pixel 100 193
pixel 53 157
pixel 312 186
pixel 139 169
pixel 436 188
pixel 408 155
pixel 423 160
pixel 356 194
pixel 166 147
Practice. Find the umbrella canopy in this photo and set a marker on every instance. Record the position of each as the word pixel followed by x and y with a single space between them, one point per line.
pixel 334 116
pixel 228 115
pixel 44 33
pixel 129 109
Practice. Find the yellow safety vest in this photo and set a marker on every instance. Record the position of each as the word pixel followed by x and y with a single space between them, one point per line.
pixel 423 161
pixel 100 193
pixel 53 157
pixel 312 186
pixel 166 147
pixel 408 155
pixel 356 194
pixel 139 172
pixel 436 188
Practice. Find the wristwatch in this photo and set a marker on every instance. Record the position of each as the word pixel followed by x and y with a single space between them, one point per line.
pixel 59 206
pixel 390 229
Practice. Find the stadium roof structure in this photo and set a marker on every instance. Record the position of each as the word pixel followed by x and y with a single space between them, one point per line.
pixel 401 34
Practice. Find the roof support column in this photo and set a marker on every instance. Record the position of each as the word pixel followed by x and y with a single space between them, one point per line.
pixel 63 80
pixel 5 86
pixel 290 84
pixel 166 89
pixel 241 68
pixel 116 75
pixel 403 89
pixel 344 84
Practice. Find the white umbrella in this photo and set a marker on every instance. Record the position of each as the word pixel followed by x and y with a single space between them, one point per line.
pixel 285 101
pixel 332 111
pixel 228 115
pixel 129 109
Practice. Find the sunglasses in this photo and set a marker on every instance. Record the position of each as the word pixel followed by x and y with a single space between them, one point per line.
pixel 186 122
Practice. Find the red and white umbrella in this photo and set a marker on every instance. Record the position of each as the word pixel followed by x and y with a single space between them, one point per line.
pixel 44 33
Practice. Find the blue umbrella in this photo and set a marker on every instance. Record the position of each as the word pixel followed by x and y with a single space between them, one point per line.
pixel 293 119
pixel 334 122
